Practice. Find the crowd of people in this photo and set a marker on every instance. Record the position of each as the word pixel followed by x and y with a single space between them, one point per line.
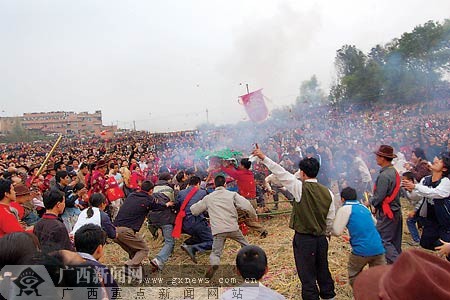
pixel 93 189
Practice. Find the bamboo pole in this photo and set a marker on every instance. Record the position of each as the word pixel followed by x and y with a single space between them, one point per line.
pixel 49 155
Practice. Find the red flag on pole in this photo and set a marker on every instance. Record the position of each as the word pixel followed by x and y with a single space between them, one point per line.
pixel 255 106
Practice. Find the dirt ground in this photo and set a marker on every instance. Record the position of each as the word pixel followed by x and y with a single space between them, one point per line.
pixel 282 275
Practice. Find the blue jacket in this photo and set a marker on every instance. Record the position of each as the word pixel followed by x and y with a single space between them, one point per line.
pixel 190 220
pixel 364 237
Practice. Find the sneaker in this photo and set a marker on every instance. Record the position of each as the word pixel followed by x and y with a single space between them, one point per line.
pixel 263 234
pixel 190 251
pixel 210 273
pixel 413 243
pixel 157 265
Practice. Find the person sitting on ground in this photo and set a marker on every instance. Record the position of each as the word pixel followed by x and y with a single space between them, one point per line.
pixel 251 264
pixel 367 247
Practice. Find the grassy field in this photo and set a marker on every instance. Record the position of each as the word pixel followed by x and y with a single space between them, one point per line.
pixel 282 275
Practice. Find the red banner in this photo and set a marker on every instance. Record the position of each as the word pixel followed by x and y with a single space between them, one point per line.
pixel 255 106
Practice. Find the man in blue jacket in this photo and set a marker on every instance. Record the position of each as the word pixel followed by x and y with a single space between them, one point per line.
pixel 367 247
pixel 196 226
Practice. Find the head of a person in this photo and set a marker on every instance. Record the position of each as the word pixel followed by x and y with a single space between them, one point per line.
pixel 91 158
pixel 310 151
pixel 91 239
pixel 348 193
pixel 84 168
pixel 441 163
pixel 219 181
pixel 165 176
pixel 181 176
pixel 7 191
pixel 113 169
pixel 54 201
pixel 101 166
pixel 62 177
pixel 321 145
pixel 251 262
pixel 417 154
pixel 80 189
pixel 309 166
pixel 409 176
pixel 16 247
pixel 147 186
pixel 23 193
pixel 384 155
pixel 60 166
pixel 75 163
pixel 96 200
pixel 245 163
pixel 194 180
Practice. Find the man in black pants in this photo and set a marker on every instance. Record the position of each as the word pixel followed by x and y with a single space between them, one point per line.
pixel 312 218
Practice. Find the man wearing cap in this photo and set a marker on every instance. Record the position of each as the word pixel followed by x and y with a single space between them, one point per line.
pixel 386 201
pixel 23 204
pixel 98 180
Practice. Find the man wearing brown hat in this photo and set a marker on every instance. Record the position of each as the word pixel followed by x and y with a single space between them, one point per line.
pixel 386 200
pixel 98 180
pixel 27 210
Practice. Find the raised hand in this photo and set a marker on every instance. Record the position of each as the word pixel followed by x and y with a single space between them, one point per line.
pixel 257 152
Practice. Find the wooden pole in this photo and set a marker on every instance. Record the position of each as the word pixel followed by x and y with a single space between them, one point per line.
pixel 49 155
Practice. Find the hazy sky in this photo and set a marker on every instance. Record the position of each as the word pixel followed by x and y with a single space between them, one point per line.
pixel 163 63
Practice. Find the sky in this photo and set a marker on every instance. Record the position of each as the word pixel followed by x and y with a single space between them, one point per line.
pixel 172 65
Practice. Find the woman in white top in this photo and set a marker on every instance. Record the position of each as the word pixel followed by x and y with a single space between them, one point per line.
pixel 95 215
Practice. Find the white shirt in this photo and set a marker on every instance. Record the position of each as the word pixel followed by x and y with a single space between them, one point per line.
pixel 259 292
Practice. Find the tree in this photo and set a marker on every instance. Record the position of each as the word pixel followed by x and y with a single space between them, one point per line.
pixel 355 74
pixel 311 93
pixel 410 68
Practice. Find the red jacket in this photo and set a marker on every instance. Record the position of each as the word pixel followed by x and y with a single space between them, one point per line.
pixel 8 221
pixel 245 181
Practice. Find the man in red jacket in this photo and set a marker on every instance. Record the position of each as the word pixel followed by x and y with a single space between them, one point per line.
pixel 8 220
pixel 247 188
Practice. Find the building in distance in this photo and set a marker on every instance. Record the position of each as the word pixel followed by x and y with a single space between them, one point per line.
pixel 58 122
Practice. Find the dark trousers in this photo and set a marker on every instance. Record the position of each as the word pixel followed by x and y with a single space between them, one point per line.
pixel 279 189
pixel 432 233
pixel 311 261
pixel 391 231
pixel 201 238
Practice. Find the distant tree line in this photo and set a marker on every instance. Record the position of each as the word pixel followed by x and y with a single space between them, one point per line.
pixel 412 68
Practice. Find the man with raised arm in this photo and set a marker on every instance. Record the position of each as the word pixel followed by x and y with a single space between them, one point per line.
pixel 312 218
